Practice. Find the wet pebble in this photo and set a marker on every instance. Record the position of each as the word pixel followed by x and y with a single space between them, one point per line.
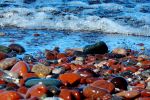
pixel 17 47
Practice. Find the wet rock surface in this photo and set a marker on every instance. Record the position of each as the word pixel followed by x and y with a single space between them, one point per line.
pixel 70 76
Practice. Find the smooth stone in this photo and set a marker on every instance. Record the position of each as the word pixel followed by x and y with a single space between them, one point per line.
pixel 17 47
pixel 121 51
pixel 10 95
pixel 104 84
pixel 120 83
pixel 97 48
pixel 94 92
pixel 47 82
pixel 12 54
pixel 7 63
pixel 129 94
pixel 2 55
pixel 86 72
pixel 67 94
pixel 21 68
pixel 37 90
pixel 71 78
pixel 4 49
pixel 40 68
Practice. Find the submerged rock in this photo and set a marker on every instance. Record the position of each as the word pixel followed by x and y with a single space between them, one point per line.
pixel 97 48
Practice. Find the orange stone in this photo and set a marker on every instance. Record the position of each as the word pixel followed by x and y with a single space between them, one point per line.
pixel 70 78
pixel 20 67
pixel 104 84
pixel 65 94
pixel 22 90
pixel 10 95
pixel 36 91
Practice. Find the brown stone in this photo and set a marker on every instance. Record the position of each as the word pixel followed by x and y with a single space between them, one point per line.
pixel 2 55
pixel 104 84
pixel 94 92
pixel 129 94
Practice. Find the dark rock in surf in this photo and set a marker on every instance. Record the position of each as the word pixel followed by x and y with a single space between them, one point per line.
pixel 97 48
pixel 16 47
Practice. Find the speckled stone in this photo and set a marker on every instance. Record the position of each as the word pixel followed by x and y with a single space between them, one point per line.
pixel 42 69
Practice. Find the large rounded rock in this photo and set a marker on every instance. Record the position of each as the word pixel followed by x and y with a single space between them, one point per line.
pixel 120 83
pixel 36 91
pixel 16 47
pixel 70 78
pixel 94 92
pixel 104 84
pixel 21 68
pixel 97 48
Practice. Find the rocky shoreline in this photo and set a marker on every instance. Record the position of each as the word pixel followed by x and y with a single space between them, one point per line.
pixel 90 73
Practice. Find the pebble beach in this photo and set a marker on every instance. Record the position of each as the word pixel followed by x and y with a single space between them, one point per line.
pixel 74 50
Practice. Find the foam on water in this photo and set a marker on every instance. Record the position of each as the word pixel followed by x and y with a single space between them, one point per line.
pixel 112 17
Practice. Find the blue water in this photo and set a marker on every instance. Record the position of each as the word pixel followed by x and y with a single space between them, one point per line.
pixel 75 23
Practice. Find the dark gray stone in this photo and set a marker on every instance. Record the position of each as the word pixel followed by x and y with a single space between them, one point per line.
pixel 97 48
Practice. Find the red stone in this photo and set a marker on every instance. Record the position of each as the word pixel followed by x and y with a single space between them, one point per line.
pixel 36 91
pixel 129 94
pixel 22 90
pixel 70 78
pixel 65 94
pixel 10 95
pixel 129 68
pixel 2 55
pixel 20 68
pixel 94 92
pixel 61 55
pixel 104 84
pixel 145 93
